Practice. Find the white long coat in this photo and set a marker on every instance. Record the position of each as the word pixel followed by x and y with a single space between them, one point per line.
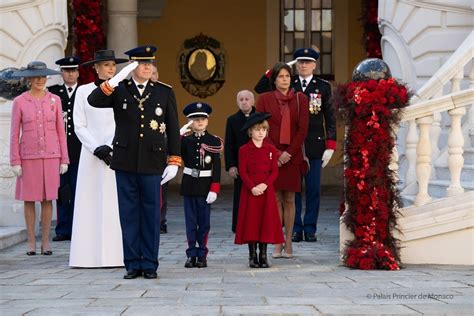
pixel 96 239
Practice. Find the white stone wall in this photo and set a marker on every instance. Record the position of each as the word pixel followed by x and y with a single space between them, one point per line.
pixel 419 36
pixel 30 30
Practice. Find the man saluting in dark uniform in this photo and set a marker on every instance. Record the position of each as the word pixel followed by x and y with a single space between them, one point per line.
pixel 67 93
pixel 146 155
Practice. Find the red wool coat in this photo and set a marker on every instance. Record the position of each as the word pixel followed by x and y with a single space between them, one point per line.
pixel 258 219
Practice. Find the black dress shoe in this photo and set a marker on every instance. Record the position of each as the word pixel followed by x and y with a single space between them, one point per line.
pixel 61 238
pixel 310 237
pixel 190 263
pixel 201 262
pixel 163 229
pixel 132 274
pixel 150 274
pixel 31 253
pixel 297 237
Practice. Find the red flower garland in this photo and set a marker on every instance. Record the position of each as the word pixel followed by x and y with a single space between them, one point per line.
pixel 89 35
pixel 371 109
pixel 371 36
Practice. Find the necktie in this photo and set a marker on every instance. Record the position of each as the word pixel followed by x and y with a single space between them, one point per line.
pixel 304 83
pixel 140 86
pixel 69 89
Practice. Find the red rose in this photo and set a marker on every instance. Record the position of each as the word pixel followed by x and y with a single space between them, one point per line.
pixel 366 264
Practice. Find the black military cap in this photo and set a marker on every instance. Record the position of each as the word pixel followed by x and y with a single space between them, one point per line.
pixel 197 109
pixel 306 54
pixel 70 62
pixel 143 53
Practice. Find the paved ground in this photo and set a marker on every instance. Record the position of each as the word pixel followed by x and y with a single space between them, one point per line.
pixel 312 283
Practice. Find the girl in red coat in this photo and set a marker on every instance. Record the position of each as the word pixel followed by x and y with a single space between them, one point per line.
pixel 258 218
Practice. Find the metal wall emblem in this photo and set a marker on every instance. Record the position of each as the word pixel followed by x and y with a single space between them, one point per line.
pixel 201 66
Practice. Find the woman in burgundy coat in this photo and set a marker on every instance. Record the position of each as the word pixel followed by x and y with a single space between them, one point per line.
pixel 258 218
pixel 288 129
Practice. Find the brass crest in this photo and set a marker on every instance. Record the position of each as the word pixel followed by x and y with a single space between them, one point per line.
pixel 201 64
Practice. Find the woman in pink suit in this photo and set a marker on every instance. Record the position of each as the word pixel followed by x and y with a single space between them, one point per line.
pixel 288 129
pixel 38 150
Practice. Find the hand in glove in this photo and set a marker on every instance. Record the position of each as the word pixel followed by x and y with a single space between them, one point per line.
pixel 211 197
pixel 169 173
pixel 114 81
pixel 104 153
pixel 185 129
pixel 16 170
pixel 62 168
pixel 291 63
pixel 327 156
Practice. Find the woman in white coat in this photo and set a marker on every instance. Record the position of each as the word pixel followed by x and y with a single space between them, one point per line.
pixel 96 239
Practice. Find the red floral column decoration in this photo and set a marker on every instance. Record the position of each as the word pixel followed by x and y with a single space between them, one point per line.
pixel 88 32
pixel 370 109
pixel 371 36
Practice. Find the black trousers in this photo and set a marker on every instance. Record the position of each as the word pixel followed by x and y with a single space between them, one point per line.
pixel 235 205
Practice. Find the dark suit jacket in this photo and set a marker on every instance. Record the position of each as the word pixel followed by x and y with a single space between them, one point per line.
pixel 268 102
pixel 143 137
pixel 73 143
pixel 322 126
pixel 234 138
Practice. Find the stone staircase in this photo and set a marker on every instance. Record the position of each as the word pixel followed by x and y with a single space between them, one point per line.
pixel 437 223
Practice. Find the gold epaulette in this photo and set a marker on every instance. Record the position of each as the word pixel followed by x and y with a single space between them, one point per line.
pixel 165 84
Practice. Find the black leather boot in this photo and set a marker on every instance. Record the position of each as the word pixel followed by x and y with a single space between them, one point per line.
pixel 262 256
pixel 253 261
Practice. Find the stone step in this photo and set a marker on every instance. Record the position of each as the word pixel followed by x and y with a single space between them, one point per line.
pixel 408 200
pixel 437 188
pixel 467 173
pixel 468 156
pixel 10 236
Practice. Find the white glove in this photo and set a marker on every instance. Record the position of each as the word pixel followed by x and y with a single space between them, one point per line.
pixel 169 173
pixel 16 170
pixel 211 197
pixel 185 129
pixel 291 63
pixel 62 168
pixel 327 156
pixel 114 81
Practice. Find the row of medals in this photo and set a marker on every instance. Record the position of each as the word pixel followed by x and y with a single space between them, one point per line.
pixel 315 103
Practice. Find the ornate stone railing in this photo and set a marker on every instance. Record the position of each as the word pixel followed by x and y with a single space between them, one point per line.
pixel 424 124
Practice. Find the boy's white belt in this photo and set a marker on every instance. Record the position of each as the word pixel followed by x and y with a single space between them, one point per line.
pixel 196 173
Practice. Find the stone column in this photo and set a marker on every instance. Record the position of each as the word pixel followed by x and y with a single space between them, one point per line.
pixel 122 26
pixel 40 34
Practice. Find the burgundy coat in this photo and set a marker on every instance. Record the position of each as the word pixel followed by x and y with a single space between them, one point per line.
pixel 267 102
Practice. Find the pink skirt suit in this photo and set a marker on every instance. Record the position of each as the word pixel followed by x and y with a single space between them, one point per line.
pixel 38 144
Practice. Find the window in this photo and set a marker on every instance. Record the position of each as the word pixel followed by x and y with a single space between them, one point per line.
pixel 308 23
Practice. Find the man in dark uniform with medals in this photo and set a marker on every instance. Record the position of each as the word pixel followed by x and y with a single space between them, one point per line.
pixel 320 143
pixel 146 155
pixel 67 93
pixel 201 181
